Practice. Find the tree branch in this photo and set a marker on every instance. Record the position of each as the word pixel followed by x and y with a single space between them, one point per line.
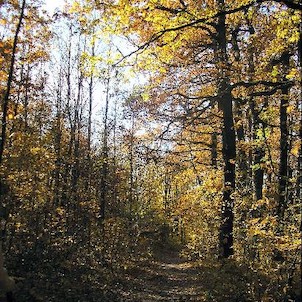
pixel 206 20
pixel 291 4
pixel 261 82
pixel 158 35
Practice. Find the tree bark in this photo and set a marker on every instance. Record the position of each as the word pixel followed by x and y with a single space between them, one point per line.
pixel 67 164
pixel 214 143
pixel 10 81
pixel 283 161
pixel 299 165
pixel 104 169
pixel 6 283
pixel 259 151
pixel 57 142
pixel 131 163
pixel 243 180
pixel 228 141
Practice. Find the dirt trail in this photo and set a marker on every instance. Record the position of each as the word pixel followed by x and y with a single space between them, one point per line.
pixel 170 278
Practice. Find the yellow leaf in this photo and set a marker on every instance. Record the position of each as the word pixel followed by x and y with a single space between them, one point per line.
pixel 295 149
pixel 3 22
pixel 292 74
pixel 35 150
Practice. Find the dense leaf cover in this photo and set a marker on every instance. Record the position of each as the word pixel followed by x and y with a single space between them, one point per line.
pixel 147 141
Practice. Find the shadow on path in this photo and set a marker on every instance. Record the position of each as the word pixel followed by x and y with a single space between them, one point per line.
pixel 172 278
pixel 169 278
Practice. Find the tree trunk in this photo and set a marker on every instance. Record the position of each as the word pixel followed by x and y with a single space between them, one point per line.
pixel 299 165
pixel 228 141
pixel 214 144
pixel 9 82
pixel 104 169
pixel 89 130
pixel 57 143
pixel 283 161
pixel 259 151
pixel 6 283
pixel 243 180
pixel 131 163
pixel 65 176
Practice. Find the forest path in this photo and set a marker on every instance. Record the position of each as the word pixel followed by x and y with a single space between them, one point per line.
pixel 168 278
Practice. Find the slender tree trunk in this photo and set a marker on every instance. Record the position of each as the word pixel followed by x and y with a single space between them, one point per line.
pixel 104 169
pixel 5 281
pixel 198 180
pixel 283 161
pixel 259 173
pixel 131 162
pixel 214 143
pixel 65 187
pixel 25 100
pixel 259 151
pixel 77 225
pixel 90 91
pixel 57 143
pixel 243 180
pixel 9 82
pixel 16 104
pixel 299 164
pixel 77 121
pixel 89 139
pixel 228 141
pixel 167 192
pixel 115 178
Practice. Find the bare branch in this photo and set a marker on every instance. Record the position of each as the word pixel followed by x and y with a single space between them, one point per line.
pixel 264 83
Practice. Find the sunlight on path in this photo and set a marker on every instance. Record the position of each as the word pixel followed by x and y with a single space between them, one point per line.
pixel 171 280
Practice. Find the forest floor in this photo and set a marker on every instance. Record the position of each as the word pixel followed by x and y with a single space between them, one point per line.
pixel 166 276
pixel 170 277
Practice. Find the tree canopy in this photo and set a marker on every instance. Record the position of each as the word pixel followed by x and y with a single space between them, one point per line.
pixel 134 133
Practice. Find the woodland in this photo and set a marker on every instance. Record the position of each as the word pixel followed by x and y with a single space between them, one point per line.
pixel 150 150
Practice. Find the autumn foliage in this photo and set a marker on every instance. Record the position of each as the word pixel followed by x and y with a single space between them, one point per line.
pixel 132 127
